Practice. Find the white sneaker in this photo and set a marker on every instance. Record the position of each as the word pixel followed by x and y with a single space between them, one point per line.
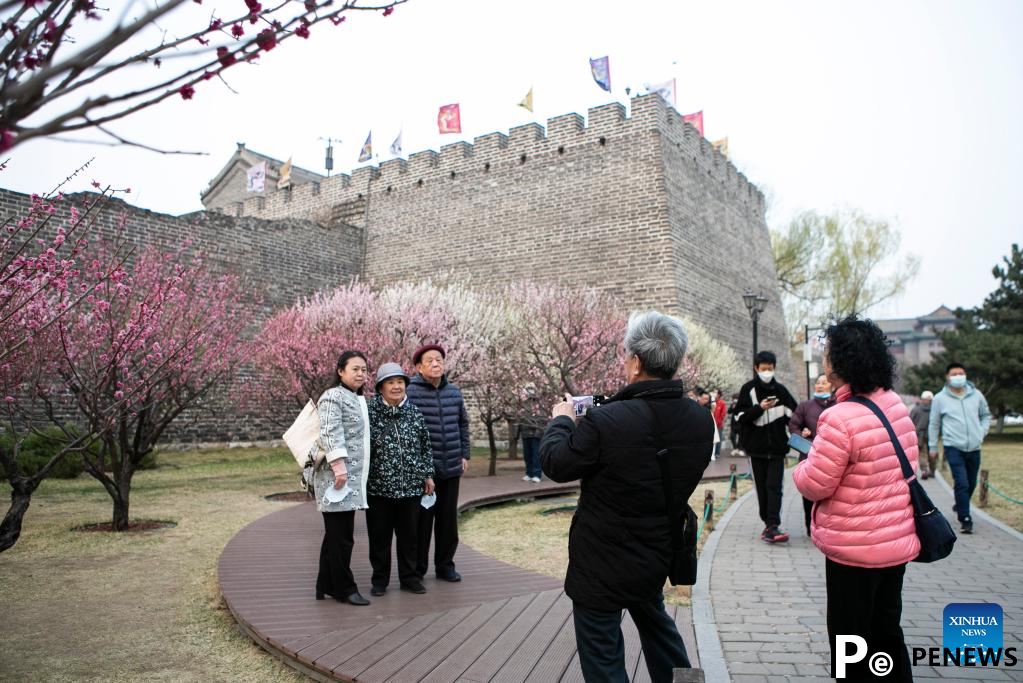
pixel 527 478
pixel 536 479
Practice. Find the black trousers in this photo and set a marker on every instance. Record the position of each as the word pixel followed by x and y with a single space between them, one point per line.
pixel 598 637
pixel 387 518
pixel 335 577
pixel 440 521
pixel 807 513
pixel 867 602
pixel 768 474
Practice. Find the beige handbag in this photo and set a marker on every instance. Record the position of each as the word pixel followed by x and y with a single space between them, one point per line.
pixel 303 434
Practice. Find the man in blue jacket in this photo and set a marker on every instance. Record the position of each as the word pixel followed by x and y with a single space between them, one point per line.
pixel 443 407
pixel 959 414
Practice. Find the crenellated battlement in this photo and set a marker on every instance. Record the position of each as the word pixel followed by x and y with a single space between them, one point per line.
pixel 564 135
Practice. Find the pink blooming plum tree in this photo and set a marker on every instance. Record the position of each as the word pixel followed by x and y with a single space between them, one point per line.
pixel 41 282
pixel 149 342
pixel 569 340
pixel 72 65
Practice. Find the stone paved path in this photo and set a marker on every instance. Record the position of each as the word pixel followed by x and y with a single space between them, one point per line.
pixel 769 601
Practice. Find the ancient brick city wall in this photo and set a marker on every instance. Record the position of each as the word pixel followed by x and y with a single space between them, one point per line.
pixel 641 206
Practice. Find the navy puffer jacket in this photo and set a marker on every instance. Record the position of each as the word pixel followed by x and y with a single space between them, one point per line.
pixel 448 421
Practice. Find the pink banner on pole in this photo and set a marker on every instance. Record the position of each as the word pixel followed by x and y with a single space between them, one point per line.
pixel 449 119
pixel 695 120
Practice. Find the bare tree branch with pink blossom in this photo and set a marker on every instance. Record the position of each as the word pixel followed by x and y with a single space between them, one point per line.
pixel 56 81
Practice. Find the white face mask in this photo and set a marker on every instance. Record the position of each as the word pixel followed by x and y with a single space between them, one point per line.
pixel 766 376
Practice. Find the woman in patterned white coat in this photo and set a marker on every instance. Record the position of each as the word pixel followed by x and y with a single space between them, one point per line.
pixel 339 479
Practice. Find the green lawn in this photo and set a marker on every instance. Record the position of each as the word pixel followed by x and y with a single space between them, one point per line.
pixel 1002 456
pixel 140 606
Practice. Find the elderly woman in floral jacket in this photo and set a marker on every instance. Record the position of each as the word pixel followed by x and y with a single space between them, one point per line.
pixel 401 472
pixel 342 458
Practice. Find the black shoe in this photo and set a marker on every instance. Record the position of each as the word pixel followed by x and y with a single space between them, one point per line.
pixel 452 576
pixel 355 599
pixel 320 595
pixel 378 590
pixel 413 587
pixel 967 526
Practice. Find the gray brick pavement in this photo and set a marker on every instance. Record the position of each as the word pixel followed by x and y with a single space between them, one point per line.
pixel 768 602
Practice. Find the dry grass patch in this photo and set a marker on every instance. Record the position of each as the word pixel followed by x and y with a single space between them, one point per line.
pixel 517 533
pixel 138 606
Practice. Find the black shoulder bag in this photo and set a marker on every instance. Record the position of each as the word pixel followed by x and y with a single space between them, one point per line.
pixel 681 521
pixel 933 530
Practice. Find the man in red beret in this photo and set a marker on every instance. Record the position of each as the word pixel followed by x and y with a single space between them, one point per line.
pixel 443 407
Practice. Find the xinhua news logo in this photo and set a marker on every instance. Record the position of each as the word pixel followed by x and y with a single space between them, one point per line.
pixel 972 636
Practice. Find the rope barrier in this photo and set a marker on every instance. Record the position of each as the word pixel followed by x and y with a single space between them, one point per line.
pixel 1006 497
pixel 706 516
pixel 728 495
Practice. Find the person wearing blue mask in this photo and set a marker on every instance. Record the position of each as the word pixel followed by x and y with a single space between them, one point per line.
pixel 804 423
pixel 960 416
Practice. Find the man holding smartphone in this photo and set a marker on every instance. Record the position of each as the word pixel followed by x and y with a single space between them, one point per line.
pixel 763 412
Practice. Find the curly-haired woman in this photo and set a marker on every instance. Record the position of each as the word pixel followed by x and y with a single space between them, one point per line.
pixel 862 515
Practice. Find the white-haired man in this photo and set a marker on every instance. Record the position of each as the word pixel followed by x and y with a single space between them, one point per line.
pixel 920 413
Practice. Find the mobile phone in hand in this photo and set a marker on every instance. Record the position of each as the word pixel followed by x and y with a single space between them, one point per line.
pixel 798 443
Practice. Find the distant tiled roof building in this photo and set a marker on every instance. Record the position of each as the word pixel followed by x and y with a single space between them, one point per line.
pixel 915 340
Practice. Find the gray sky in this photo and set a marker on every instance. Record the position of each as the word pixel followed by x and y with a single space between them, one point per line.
pixel 910 110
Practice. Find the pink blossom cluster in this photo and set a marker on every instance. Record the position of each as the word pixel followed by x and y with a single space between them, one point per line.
pixel 150 339
pixel 496 343
pixel 39 280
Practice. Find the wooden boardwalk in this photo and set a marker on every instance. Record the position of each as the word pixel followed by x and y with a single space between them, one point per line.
pixel 501 623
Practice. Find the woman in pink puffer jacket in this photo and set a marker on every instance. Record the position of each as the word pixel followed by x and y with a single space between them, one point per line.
pixel 862 515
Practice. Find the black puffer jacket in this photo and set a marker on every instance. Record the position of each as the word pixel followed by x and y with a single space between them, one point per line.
pixel 401 459
pixel 764 433
pixel 447 420
pixel 619 544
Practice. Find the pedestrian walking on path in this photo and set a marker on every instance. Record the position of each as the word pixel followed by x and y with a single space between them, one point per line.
pixel 863 518
pixel 920 414
pixel 764 409
pixel 960 417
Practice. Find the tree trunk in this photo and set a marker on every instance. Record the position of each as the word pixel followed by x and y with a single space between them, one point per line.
pixel 1000 424
pixel 21 496
pixel 513 441
pixel 122 497
pixel 493 449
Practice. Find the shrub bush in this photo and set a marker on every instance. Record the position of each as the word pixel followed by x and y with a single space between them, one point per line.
pixel 37 449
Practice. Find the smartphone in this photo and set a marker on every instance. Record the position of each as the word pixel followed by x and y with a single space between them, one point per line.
pixel 580 404
pixel 771 398
pixel 798 443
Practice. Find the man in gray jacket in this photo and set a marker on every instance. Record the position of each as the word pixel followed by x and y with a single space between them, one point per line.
pixel 959 414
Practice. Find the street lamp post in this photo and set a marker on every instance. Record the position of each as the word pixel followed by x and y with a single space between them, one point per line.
pixel 755 304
